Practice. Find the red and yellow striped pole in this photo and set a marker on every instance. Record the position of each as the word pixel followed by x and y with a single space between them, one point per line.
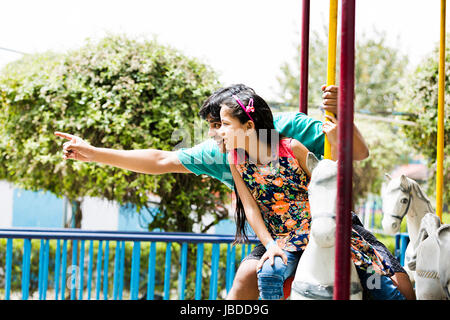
pixel 331 61
pixel 440 124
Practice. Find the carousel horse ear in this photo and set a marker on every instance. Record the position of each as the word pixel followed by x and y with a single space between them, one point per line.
pixel 311 161
pixel 388 176
pixel 404 183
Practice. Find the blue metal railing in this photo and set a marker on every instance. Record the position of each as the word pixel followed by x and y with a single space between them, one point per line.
pixel 70 244
pixel 401 242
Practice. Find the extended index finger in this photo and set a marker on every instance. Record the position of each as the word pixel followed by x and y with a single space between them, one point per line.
pixel 64 135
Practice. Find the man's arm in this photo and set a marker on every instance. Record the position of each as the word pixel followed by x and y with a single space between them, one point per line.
pixel 330 98
pixel 360 149
pixel 150 161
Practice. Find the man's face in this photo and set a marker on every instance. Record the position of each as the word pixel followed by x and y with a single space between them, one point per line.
pixel 213 127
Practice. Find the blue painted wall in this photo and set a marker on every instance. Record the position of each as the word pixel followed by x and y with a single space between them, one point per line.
pixel 37 209
pixel 45 210
pixel 131 220
pixel 225 227
pixel 228 226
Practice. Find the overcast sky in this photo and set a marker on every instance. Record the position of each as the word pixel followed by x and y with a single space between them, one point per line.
pixel 244 40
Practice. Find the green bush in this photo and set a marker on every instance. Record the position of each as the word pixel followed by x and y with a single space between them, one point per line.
pixel 420 98
pixel 116 93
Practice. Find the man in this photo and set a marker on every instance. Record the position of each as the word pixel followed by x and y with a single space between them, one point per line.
pixel 209 158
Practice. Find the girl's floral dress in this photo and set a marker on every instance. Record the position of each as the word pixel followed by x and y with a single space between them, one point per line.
pixel 281 190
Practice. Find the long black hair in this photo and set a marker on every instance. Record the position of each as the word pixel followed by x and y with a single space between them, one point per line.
pixel 263 121
pixel 265 131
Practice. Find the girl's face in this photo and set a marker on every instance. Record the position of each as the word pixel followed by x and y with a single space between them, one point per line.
pixel 232 131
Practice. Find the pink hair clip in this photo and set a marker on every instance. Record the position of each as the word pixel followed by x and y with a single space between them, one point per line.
pixel 250 107
pixel 247 109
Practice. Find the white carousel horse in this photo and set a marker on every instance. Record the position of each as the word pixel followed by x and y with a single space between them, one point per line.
pixel 429 262
pixel 428 240
pixel 443 238
pixel 402 197
pixel 314 278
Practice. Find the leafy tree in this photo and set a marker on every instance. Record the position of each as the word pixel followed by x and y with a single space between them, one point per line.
pixel 420 98
pixel 116 93
pixel 378 71
pixel 387 150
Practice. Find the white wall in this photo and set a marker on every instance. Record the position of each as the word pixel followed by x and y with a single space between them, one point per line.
pixel 99 214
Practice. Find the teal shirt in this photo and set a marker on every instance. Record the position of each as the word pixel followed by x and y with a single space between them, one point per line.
pixel 206 158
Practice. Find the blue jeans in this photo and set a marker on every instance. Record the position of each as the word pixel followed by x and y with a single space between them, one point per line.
pixel 271 278
pixel 378 287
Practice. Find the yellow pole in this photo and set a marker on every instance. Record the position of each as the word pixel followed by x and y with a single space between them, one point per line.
pixel 331 62
pixel 440 130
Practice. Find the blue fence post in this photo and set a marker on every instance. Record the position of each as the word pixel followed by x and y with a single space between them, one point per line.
pixel 46 258
pixel 8 276
pixel 198 276
pixel 105 271
pixel 74 270
pixel 214 271
pixel 81 273
pixel 397 246
pixel 151 272
pixel 183 269
pixel 90 264
pixel 64 270
pixel 116 271
pixel 99 270
pixel 121 268
pixel 135 268
pixel 403 244
pixel 41 269
pixel 167 268
pixel 231 259
pixel 26 268
pixel 242 251
pixel 57 267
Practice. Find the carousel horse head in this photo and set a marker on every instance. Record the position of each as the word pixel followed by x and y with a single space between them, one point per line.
pixel 396 199
pixel 402 197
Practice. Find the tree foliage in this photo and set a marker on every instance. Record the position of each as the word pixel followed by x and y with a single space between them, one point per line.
pixel 379 69
pixel 116 93
pixel 387 150
pixel 420 98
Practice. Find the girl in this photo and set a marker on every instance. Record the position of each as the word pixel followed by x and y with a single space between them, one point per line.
pixel 271 179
